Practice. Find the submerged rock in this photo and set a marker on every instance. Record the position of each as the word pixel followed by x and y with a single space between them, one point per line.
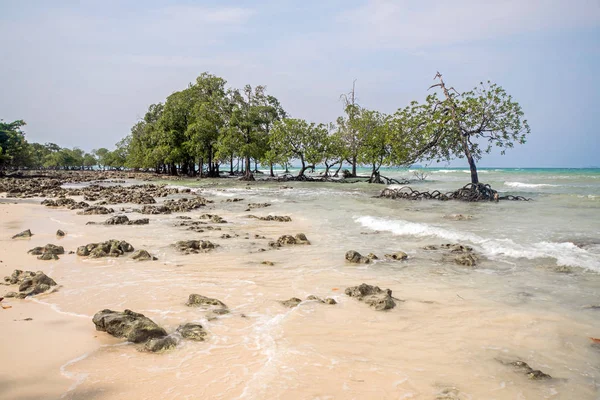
pixel 25 234
pixel 468 260
pixel 291 303
pixel 328 300
pixel 458 217
pixel 159 345
pixel 357 258
pixel 278 218
pixel 523 367
pixel 192 332
pixel 196 300
pixel 399 255
pixel 373 296
pixel 252 206
pixel 134 327
pixel 195 246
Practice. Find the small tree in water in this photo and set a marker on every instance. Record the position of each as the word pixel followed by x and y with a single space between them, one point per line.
pixel 462 124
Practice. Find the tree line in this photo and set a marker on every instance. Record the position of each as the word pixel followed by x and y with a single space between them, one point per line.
pixel 209 129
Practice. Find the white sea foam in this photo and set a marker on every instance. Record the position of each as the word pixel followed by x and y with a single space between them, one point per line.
pixel 565 253
pixel 528 185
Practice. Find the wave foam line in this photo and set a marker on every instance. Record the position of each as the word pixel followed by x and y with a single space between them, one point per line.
pixel 565 253
pixel 528 185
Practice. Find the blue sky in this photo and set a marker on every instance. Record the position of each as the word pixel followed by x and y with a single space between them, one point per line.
pixel 82 73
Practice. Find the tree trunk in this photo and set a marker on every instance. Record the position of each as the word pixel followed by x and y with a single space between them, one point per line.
pixel 472 166
pixel 231 165
pixel 353 165
pixel 271 170
pixel 337 171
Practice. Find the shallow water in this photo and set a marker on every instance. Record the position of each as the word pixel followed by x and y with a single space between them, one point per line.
pixel 445 337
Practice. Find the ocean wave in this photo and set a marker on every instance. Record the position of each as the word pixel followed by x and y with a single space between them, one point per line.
pixel 565 253
pixel 528 185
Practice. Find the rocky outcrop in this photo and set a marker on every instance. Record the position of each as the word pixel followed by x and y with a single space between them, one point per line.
pixel 192 332
pixel 134 327
pixel 399 255
pixel 277 218
pixel 96 210
pixel 66 203
pixel 30 283
pixel 122 220
pixel 357 258
pixel 285 240
pixel 373 296
pixel 213 218
pixel 195 246
pixel 143 255
pixel 48 252
pixel 110 248
pixel 25 234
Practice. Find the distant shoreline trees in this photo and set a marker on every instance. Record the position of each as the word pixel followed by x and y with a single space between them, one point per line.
pixel 207 127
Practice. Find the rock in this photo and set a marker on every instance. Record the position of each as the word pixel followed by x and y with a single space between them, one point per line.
pixel 458 217
pixel 30 283
pixel 284 240
pixel 195 246
pixel 372 256
pixel 373 296
pixel 328 300
pixel 453 247
pixel 60 234
pixel 277 218
pixel 49 248
pixel 468 260
pixel 143 255
pixel 523 367
pixel 196 300
pixel 96 210
pixel 399 255
pixel 192 332
pixel 159 345
pixel 213 218
pixel 25 234
pixel 233 200
pixel 110 248
pixel 355 257
pixel 117 220
pixel 134 327
pixel 291 303
pixel 270 263
pixel 48 256
pixel 257 205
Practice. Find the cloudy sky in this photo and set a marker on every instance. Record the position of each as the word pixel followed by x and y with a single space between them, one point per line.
pixel 81 73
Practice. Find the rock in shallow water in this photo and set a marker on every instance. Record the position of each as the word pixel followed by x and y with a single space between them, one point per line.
pixel 25 234
pixel 373 296
pixel 134 327
pixel 143 255
pixel 192 331
pixel 357 258
pixel 158 345
pixel 30 283
pixel 196 300
pixel 291 303
pixel 195 246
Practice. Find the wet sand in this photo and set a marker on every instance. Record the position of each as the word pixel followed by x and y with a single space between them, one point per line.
pixel 442 341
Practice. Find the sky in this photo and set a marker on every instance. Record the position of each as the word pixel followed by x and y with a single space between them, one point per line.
pixel 82 73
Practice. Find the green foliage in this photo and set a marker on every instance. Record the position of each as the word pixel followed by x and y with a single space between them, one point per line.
pixel 14 150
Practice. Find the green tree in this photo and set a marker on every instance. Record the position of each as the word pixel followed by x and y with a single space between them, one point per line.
pixel 296 138
pixel 101 155
pixel 14 149
pixel 463 125
pixel 374 134
pixel 347 128
pixel 89 160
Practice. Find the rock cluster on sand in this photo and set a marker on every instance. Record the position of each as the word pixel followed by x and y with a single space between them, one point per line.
pixel 285 240
pixel 65 202
pixel 278 218
pixel 213 218
pixel 96 210
pixel 25 234
pixel 110 248
pixel 460 254
pixel 30 283
pixel 121 220
pixel 195 246
pixel 137 328
pixel 48 252
pixel 373 296
pixel 357 258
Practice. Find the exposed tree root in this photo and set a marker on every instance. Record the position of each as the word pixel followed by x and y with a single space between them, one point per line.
pixel 471 192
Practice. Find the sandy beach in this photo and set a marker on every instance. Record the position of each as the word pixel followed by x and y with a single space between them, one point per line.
pixel 451 335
